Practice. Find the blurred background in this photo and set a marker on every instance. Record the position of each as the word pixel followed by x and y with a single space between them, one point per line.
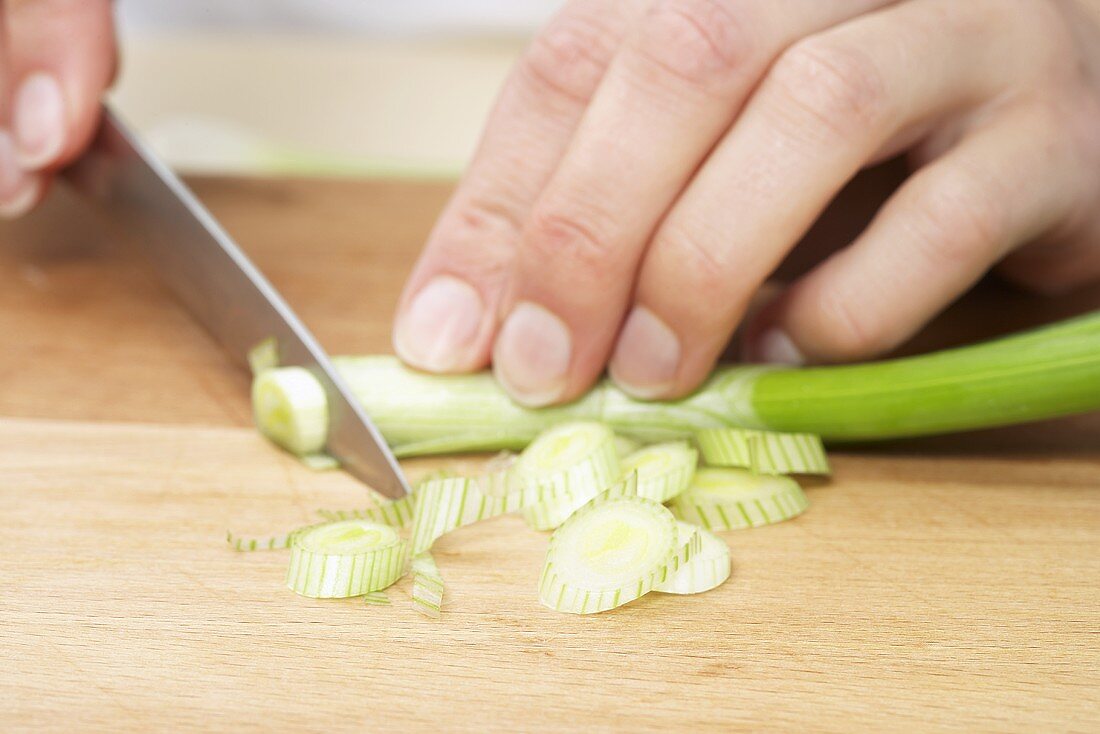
pixel 318 87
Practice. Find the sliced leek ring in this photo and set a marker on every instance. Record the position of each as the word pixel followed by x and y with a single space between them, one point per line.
pixel 573 462
pixel 612 551
pixel 731 499
pixel 708 568
pixel 664 469
pixel 764 452
pixel 291 409
pixel 570 457
pixel 345 558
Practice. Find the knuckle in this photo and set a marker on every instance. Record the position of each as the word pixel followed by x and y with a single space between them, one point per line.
pixel 696 255
pixel 701 42
pixel 484 217
pixel 837 87
pixel 476 238
pixel 962 219
pixel 850 331
pixel 567 240
pixel 569 57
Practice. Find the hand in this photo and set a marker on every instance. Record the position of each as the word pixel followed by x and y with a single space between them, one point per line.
pixel 58 56
pixel 646 168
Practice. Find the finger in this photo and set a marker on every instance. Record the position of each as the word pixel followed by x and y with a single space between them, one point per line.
pixel 827 107
pixel 680 77
pixel 19 190
pixel 62 58
pixel 1006 183
pixel 447 315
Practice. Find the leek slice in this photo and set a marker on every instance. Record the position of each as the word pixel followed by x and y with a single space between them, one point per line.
pixel 574 462
pixel 764 452
pixel 291 409
pixel 612 551
pixel 708 568
pixel 427 593
pixel 346 558
pixel 731 499
pixel 664 469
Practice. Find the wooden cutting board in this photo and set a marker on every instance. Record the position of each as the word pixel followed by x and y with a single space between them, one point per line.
pixel 949 584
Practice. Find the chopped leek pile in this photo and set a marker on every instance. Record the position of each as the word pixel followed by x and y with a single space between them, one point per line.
pixel 615 478
pixel 627 519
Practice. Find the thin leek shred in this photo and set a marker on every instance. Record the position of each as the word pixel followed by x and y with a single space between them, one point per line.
pixel 447 504
pixel 707 569
pixel 732 499
pixel 275 542
pixel 320 462
pixel 396 513
pixel 376 598
pixel 427 591
pixel 347 558
pixel 615 549
pixel 764 452
pixel 264 356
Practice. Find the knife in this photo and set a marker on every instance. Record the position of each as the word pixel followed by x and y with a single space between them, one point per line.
pixel 221 287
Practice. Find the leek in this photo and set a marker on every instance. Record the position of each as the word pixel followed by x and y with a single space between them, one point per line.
pixel 1045 373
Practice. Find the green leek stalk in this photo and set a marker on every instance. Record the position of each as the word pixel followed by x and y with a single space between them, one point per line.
pixel 1045 373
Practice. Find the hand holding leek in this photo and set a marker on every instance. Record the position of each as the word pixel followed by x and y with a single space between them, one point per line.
pixel 646 170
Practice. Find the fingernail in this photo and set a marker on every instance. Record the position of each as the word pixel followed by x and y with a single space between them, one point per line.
pixel 647 356
pixel 440 324
pixel 532 354
pixel 775 347
pixel 18 189
pixel 39 120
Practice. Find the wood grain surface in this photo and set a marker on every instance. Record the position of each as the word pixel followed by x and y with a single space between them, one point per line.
pixel 943 584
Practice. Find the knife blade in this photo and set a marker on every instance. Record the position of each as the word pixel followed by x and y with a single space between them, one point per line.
pixel 221 287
